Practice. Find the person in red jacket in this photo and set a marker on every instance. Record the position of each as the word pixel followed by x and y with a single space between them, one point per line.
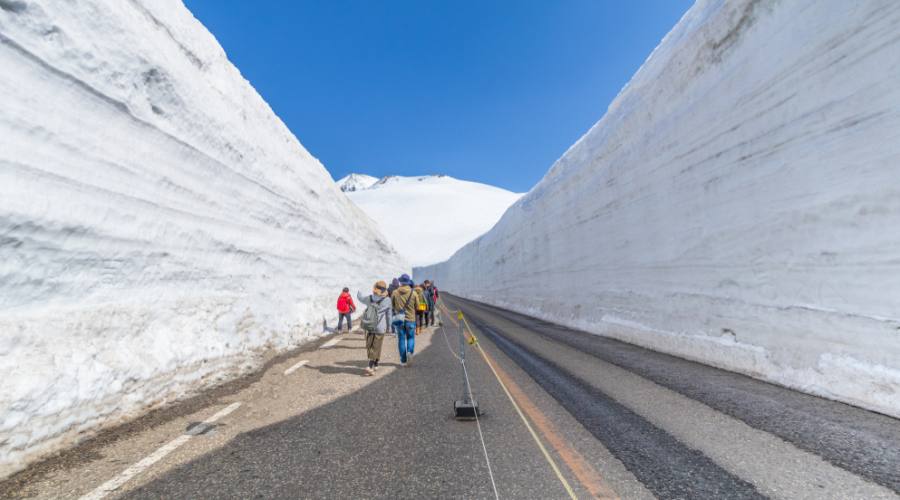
pixel 345 307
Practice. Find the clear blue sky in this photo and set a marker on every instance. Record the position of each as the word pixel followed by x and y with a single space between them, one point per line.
pixel 491 91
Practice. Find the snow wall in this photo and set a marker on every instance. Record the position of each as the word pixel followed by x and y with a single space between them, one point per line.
pixel 738 204
pixel 158 223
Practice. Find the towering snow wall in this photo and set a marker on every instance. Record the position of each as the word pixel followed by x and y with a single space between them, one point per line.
pixel 158 222
pixel 739 204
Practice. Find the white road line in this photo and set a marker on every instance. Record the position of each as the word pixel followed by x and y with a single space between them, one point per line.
pixel 331 343
pixel 223 412
pixel 295 367
pixel 124 476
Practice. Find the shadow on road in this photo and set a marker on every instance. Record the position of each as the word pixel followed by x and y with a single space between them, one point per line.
pixel 91 449
pixel 395 437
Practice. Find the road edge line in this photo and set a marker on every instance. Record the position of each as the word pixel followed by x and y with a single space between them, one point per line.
pixel 140 466
pixel 295 367
pixel 531 430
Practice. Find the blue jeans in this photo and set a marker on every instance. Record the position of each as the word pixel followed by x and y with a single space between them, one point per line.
pixel 406 338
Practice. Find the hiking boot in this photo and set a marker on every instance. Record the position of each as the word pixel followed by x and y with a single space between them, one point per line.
pixel 369 372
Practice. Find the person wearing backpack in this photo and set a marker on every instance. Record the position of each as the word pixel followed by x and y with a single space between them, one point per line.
pixel 375 322
pixel 421 309
pixel 431 299
pixel 345 307
pixel 404 302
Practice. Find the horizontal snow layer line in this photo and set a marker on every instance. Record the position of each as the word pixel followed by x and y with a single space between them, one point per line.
pixel 117 361
pixel 84 422
pixel 834 377
pixel 124 109
pixel 157 220
pixel 731 206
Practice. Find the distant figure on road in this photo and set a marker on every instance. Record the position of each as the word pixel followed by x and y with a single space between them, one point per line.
pixel 431 297
pixel 375 322
pixel 404 302
pixel 395 284
pixel 421 309
pixel 345 307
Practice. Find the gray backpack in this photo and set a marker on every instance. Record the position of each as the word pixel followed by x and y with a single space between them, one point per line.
pixel 370 317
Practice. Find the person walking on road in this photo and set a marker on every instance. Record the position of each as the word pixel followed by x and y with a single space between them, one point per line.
pixel 375 322
pixel 421 309
pixel 395 284
pixel 345 307
pixel 431 299
pixel 404 302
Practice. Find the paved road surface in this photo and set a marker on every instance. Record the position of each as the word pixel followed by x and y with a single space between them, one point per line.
pixel 567 414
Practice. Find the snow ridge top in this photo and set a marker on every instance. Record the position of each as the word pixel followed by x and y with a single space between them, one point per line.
pixel 361 182
pixel 356 182
pixel 467 209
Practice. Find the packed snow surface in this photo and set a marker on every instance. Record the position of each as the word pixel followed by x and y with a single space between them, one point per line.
pixel 158 222
pixel 355 182
pixel 427 218
pixel 738 204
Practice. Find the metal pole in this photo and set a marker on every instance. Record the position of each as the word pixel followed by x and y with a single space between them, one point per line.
pixel 462 359
pixel 467 408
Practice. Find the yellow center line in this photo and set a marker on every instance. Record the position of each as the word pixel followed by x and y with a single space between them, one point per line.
pixel 588 477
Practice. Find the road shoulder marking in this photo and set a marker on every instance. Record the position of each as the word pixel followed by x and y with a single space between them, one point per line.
pixel 296 366
pixel 160 453
pixel 586 475
pixel 331 343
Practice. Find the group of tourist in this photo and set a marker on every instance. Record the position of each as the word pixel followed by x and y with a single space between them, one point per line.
pixel 402 308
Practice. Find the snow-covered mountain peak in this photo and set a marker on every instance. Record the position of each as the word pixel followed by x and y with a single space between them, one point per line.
pixel 428 217
pixel 392 179
pixel 356 182
pixel 433 180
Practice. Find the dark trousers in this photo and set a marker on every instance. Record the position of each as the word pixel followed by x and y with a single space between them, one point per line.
pixel 420 318
pixel 341 317
pixel 373 347
pixel 429 317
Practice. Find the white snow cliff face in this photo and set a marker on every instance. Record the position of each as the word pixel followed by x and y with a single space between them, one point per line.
pixel 158 222
pixel 738 204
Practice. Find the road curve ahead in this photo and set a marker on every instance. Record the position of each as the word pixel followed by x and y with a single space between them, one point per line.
pixel 686 430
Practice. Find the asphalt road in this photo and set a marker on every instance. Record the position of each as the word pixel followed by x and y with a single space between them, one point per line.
pixel 687 430
pixel 567 414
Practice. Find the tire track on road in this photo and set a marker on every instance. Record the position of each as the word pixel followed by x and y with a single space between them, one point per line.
pixel 862 442
pixel 667 467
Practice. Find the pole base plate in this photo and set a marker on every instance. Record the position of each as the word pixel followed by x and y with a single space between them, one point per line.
pixel 466 410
